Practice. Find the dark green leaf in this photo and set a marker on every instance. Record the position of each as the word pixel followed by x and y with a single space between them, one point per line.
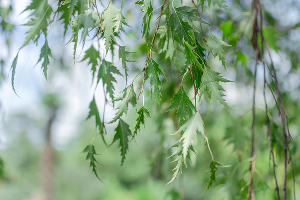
pixel 106 74
pixel 122 134
pixel 90 155
pixel 123 54
pixel 154 73
pixel 140 119
pixel 213 169
pixel 183 106
pixel 45 55
pixel 92 55
pixel 94 112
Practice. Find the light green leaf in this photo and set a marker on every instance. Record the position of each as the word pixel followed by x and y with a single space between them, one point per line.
pixel 190 130
pixel 86 21
pixel 127 96
pixel 216 45
pixel 211 85
pixel 186 143
pixel 112 23
pixel 39 20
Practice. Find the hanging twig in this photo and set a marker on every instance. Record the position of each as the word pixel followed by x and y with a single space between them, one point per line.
pixel 270 135
pixel 283 123
pixel 252 161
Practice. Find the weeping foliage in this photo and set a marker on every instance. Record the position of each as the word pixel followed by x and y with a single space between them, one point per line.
pixel 176 41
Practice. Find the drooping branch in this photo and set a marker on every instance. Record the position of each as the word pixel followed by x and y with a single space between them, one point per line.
pixel 259 45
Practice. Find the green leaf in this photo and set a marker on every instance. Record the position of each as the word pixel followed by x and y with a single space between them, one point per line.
pixel 186 143
pixel 44 55
pixel 94 112
pixel 106 74
pixel 271 35
pixel 147 10
pixel 39 20
pixel 216 45
pixel 13 72
pixel 194 55
pixel 166 43
pixel 187 13
pixel 66 9
pixel 86 21
pixel 242 58
pixel 183 106
pixel 112 23
pixel 92 55
pixel 140 119
pixel 182 30
pixel 2 172
pixel 190 130
pixel 213 169
pixel 33 5
pixel 90 155
pixel 127 96
pixel 227 28
pixel 122 134
pixel 123 55
pixel 153 73
pixel 172 195
pixel 211 85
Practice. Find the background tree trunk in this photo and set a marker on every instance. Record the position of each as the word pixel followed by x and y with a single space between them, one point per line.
pixel 48 161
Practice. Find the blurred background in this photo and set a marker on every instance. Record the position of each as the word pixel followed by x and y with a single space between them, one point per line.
pixel 43 129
